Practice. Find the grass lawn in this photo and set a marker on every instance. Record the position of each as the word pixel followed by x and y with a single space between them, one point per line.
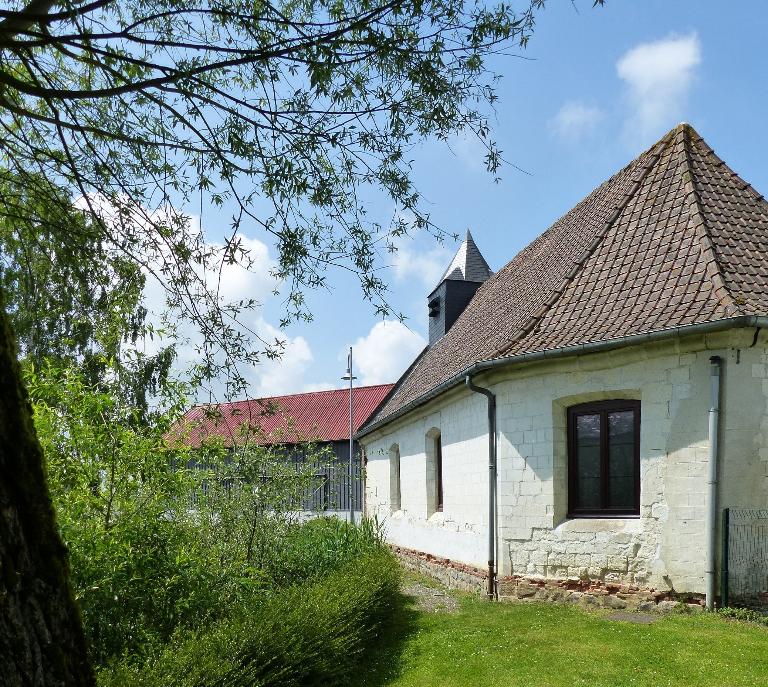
pixel 533 645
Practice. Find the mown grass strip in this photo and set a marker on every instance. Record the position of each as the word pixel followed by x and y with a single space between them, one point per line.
pixel 546 645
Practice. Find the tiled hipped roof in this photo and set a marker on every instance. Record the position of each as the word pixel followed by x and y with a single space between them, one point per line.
pixel 674 238
pixel 317 416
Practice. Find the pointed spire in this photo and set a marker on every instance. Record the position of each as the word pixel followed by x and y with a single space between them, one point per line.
pixel 468 264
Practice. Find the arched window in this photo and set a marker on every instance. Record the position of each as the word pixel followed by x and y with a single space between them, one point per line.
pixel 394 478
pixel 434 451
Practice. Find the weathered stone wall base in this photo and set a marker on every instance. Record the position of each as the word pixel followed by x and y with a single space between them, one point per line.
pixel 455 575
pixel 450 573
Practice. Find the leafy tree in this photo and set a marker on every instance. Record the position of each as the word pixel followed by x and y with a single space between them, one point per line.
pixel 41 638
pixel 251 496
pixel 117 497
pixel 163 539
pixel 64 287
pixel 288 111
pixel 72 297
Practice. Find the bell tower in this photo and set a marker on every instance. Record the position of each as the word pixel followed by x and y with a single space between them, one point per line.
pixel 467 271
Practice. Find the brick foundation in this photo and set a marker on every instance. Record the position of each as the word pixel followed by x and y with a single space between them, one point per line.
pixel 455 575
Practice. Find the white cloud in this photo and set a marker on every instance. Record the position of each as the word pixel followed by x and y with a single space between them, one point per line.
pixel 256 281
pixel 574 120
pixel 385 352
pixel 231 282
pixel 250 278
pixel 286 374
pixel 658 76
pixel 269 377
pixel 411 262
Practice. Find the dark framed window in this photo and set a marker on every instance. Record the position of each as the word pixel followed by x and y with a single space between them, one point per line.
pixel 439 473
pixel 394 478
pixel 604 459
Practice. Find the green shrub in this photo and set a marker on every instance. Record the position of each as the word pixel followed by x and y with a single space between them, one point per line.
pixel 164 538
pixel 318 547
pixel 308 635
pixel 133 586
pixel 138 585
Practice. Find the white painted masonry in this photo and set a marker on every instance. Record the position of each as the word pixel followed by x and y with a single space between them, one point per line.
pixel 664 548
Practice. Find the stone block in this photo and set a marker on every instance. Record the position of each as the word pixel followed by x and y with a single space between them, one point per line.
pixel 679 374
pixel 556 594
pixel 666 606
pixel 618 563
pixel 611 601
pixel 525 591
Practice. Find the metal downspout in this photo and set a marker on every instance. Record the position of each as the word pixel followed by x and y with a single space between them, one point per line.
pixel 491 591
pixel 714 432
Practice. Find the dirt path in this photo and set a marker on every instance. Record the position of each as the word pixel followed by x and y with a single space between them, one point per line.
pixel 430 599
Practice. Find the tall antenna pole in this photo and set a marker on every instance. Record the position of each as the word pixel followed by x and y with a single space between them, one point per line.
pixel 351 447
pixel 351 377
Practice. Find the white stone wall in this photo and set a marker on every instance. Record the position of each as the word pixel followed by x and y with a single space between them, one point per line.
pixel 459 531
pixel 664 547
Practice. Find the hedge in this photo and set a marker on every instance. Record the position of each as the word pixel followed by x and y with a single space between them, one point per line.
pixel 317 547
pixel 308 635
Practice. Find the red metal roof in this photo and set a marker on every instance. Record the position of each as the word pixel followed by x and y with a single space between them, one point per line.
pixel 317 415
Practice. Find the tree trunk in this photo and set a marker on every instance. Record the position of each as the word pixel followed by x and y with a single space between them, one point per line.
pixel 41 633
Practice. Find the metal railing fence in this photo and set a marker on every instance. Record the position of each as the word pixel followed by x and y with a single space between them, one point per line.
pixel 327 490
pixel 744 570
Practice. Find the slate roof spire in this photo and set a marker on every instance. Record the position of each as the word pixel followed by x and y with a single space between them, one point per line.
pixel 468 264
pixel 459 283
pixel 675 238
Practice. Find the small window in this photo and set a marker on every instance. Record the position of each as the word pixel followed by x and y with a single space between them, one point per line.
pixel 604 459
pixel 434 465
pixel 439 470
pixel 394 478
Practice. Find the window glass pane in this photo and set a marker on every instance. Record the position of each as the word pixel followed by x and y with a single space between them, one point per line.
pixel 621 460
pixel 587 461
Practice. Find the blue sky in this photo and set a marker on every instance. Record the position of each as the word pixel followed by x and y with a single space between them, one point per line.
pixel 599 87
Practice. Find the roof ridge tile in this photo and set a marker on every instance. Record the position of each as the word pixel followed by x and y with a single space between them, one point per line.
pixel 706 245
pixel 719 162
pixel 558 291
